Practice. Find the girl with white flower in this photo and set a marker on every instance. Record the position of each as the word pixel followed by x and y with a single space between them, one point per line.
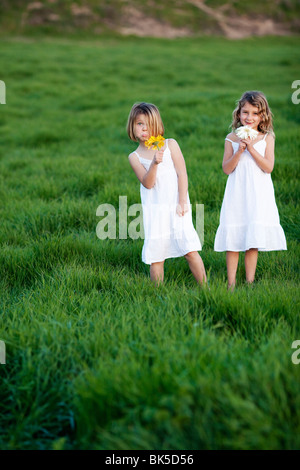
pixel 249 219
pixel 160 167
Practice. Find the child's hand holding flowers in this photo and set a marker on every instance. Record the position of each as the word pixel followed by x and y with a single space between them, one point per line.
pixel 245 132
pixel 158 157
pixel 247 136
pixel 156 142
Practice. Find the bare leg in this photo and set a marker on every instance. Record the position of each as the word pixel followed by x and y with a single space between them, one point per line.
pixel 196 266
pixel 157 272
pixel 232 259
pixel 250 264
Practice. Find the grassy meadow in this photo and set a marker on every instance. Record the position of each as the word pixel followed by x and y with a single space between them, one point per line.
pixel 96 356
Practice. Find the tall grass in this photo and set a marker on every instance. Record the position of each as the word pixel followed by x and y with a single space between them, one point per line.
pixel 97 357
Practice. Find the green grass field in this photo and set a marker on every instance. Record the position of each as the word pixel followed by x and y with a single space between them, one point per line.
pixel 96 356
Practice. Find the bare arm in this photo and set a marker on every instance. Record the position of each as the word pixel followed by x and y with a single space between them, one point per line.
pixel 147 178
pixel 180 168
pixel 265 163
pixel 231 160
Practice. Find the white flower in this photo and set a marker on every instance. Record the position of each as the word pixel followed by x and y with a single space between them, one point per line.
pixel 245 132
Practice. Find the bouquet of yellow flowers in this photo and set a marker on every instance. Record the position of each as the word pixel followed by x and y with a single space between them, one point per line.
pixel 157 142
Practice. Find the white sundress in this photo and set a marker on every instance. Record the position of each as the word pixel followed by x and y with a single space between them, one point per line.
pixel 167 235
pixel 249 216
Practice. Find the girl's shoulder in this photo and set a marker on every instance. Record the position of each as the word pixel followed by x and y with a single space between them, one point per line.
pixel 172 143
pixel 132 154
pixel 269 136
pixel 232 137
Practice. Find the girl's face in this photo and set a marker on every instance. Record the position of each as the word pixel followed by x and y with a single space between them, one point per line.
pixel 141 128
pixel 249 116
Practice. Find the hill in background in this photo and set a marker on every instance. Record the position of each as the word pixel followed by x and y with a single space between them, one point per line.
pixel 172 18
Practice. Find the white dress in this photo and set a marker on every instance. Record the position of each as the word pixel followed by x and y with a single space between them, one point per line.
pixel 167 235
pixel 249 217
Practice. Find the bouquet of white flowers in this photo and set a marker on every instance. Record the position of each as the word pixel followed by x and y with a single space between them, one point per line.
pixel 245 132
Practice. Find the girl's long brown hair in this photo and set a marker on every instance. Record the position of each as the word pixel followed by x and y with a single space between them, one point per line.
pixel 258 99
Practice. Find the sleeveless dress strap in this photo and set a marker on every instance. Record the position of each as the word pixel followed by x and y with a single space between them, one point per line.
pixel 265 136
pixel 229 140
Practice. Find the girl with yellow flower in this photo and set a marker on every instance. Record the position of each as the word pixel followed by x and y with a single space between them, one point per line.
pixel 160 167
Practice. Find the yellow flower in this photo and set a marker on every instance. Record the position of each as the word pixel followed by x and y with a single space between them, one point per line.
pixel 157 142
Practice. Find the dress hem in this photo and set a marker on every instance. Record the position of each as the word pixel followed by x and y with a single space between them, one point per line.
pixel 246 249
pixel 171 256
pixel 255 236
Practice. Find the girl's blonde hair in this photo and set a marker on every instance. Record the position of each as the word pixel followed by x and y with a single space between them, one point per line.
pixel 258 99
pixel 155 123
